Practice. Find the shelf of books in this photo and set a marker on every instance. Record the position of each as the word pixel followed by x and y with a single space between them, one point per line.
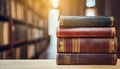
pixel 22 29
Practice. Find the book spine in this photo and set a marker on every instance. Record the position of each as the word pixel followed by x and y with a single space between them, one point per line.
pixel 0 7
pixel 77 21
pixel 86 32
pixel 87 45
pixel 89 59
pixel 5 7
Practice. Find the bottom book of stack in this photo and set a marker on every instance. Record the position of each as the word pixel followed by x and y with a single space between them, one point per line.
pixel 87 59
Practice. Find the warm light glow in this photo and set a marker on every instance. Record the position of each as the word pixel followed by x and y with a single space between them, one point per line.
pixel 53 24
pixel 90 3
pixel 54 3
pixel 90 12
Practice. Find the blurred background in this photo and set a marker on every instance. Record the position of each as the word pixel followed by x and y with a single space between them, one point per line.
pixel 28 27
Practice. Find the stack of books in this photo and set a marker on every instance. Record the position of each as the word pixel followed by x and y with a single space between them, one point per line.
pixel 89 40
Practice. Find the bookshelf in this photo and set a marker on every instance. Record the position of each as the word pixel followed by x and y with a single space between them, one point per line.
pixel 22 31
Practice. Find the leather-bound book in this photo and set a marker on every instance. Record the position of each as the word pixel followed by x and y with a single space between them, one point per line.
pixel 87 45
pixel 86 59
pixel 86 21
pixel 86 32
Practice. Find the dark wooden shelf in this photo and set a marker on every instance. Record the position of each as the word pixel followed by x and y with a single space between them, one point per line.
pixel 3 17
pixel 31 25
pixel 4 47
pixel 20 43
pixel 6 18
pixel 19 21
pixel 25 23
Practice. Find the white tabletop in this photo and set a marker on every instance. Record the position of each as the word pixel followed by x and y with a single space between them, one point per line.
pixel 49 64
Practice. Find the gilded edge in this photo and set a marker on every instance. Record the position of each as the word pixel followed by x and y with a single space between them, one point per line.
pixel 116 44
pixel 112 46
pixel 78 45
pixel 67 58
pixel 114 59
pixel 58 32
pixel 75 45
pixel 113 31
pixel 61 21
pixel 61 45
pixel 112 20
pixel 57 59
pixel 77 58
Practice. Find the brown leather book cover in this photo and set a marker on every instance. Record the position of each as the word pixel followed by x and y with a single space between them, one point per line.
pixel 86 59
pixel 87 45
pixel 86 32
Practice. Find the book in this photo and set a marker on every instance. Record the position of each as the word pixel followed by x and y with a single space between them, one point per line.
pixel 87 45
pixel 20 33
pixel 29 17
pixel 13 9
pixel 84 21
pixel 41 33
pixel 4 33
pixel 4 7
pixel 5 54
pixel 36 34
pixel 20 11
pixel 17 56
pixel 23 52
pixel 30 51
pixel 87 59
pixel 41 23
pixel 38 47
pixel 1 30
pixel 35 20
pixel 29 32
pixel 86 32
pixel 0 55
pixel 32 33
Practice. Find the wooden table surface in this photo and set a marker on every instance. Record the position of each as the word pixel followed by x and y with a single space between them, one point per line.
pixel 49 64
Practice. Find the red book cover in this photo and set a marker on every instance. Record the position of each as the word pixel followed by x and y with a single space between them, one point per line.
pixel 86 32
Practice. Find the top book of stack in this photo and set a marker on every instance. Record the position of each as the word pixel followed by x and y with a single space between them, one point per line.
pixel 86 21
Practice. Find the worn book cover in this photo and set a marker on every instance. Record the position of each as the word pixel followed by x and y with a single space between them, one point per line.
pixel 87 45
pixel 86 32
pixel 87 59
pixel 86 21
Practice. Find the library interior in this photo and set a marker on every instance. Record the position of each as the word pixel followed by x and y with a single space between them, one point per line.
pixel 35 30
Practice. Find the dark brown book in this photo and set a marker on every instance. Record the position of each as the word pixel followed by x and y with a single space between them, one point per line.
pixel 86 32
pixel 23 52
pixel 87 45
pixel 19 32
pixel 4 7
pixel 87 59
